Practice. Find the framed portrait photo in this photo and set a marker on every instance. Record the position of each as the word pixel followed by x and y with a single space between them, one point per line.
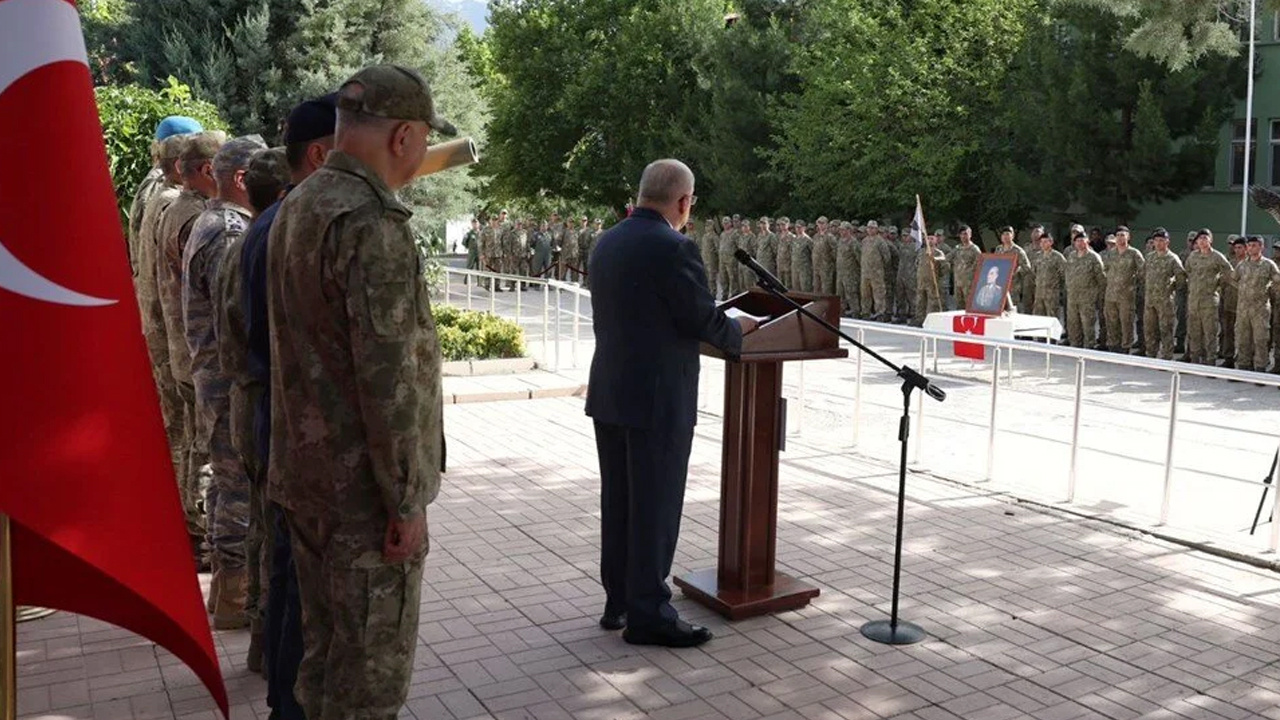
pixel 991 284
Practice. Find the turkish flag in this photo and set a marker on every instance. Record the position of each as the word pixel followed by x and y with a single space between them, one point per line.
pixel 85 472
pixel 970 325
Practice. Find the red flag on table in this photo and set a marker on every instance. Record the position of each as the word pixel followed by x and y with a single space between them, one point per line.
pixel 85 472
pixel 970 325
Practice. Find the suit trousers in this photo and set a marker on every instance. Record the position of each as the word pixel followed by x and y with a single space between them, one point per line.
pixel 642 481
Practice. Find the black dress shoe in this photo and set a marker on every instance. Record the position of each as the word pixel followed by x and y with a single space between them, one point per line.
pixel 613 621
pixel 679 634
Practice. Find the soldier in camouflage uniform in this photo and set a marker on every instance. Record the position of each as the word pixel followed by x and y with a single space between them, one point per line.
pixel 172 406
pixel 1207 273
pixel 746 241
pixel 728 271
pixel 490 252
pixel 931 269
pixel 1085 283
pixel 905 285
pixel 227 497
pixel 1023 270
pixel 1123 265
pixel 153 182
pixel 1180 299
pixel 1162 278
pixel 766 248
pixel 356 414
pixel 567 240
pixel 849 270
pixel 1034 256
pixel 876 256
pixel 802 259
pixel 1230 301
pixel 1256 277
pixel 824 258
pixel 584 235
pixel 964 264
pixel 782 258
pixel 709 245
pixel 1275 313
pixel 1050 277
pixel 265 180
pixel 172 234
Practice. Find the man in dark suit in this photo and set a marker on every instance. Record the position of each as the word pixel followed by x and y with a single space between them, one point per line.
pixel 651 308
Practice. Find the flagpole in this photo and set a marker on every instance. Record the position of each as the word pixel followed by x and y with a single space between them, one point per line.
pixel 8 628
pixel 1248 122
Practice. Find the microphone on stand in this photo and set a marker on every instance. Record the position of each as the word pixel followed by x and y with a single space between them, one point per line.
pixel 767 279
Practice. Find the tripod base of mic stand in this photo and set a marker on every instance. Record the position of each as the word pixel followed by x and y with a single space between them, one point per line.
pixel 883 631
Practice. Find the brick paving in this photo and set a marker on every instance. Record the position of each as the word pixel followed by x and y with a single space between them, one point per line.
pixel 1031 614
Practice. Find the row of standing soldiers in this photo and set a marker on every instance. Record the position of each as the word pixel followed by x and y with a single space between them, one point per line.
pixel 1199 304
pixel 551 248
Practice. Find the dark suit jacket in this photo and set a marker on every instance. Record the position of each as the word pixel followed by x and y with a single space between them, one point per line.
pixel 651 307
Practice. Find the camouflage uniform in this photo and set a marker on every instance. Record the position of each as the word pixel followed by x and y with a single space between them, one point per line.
pixel 709 246
pixel 824 262
pixel 490 253
pixel 802 263
pixel 1123 270
pixel 964 263
pixel 1255 280
pixel 1050 277
pixel 356 429
pixel 1085 282
pixel 849 271
pixel 1207 273
pixel 151 184
pixel 786 240
pixel 172 407
pixel 1021 274
pixel 905 284
pixel 172 234
pixel 1230 301
pixel 876 256
pixel 766 249
pixel 746 241
pixel 1180 299
pixel 1163 276
pixel 931 269
pixel 728 274
pixel 227 498
pixel 1029 278
pixel 584 236
pixel 567 241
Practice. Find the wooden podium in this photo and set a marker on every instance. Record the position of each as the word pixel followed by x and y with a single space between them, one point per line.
pixel 745 584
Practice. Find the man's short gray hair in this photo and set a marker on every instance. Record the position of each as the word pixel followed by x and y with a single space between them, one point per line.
pixel 664 181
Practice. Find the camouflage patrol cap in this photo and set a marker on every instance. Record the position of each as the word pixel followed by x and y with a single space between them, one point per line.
pixel 801 223
pixel 736 217
pixel 201 147
pixel 392 91
pixel 1111 239
pixel 846 226
pixel 873 225
pixel 726 219
pixel 268 166
pixel 1192 235
pixel 235 154
pixel 784 220
pixel 822 219
pixel 1231 239
pixel 764 218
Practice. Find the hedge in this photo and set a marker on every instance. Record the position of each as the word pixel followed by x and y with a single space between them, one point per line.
pixel 466 335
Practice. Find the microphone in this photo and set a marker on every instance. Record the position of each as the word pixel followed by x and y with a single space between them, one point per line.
pixel 766 278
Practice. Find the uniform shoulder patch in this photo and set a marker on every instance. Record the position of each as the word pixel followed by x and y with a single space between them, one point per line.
pixel 233 222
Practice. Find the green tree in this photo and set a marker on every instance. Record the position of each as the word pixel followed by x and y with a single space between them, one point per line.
pixel 584 94
pixel 129 115
pixel 1180 34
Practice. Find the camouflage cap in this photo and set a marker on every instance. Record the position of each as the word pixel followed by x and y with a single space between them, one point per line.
pixel 1239 241
pixel 392 91
pixel 801 223
pixel 201 147
pixel 873 225
pixel 726 219
pixel 784 220
pixel 764 218
pixel 822 219
pixel 1232 238
pixel 1192 235
pixel 1111 239
pixel 235 154
pixel 846 226
pixel 268 166
pixel 736 217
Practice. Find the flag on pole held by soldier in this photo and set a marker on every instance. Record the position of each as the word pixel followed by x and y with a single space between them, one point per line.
pixel 917 224
pixel 85 472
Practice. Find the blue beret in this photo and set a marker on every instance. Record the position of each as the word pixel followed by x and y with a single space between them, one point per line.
pixel 177 125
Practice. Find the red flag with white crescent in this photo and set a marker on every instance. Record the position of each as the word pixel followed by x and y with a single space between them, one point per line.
pixel 970 325
pixel 85 472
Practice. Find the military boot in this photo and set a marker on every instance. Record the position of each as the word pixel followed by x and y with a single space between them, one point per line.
pixel 212 601
pixel 254 661
pixel 233 589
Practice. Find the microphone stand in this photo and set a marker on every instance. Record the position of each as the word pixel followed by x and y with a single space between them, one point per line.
pixel 891 631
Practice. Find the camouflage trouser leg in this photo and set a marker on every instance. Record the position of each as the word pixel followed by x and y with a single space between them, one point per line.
pixel 1111 313
pixel 827 286
pixel 962 298
pixel 1227 349
pixel 1275 335
pixel 728 282
pixel 869 305
pixel 1141 321
pixel 1180 308
pixel 1028 296
pixel 852 298
pixel 1202 332
pixel 257 556
pixel 903 295
pixel 360 626
pixel 1126 314
pixel 194 479
pixel 227 500
pixel 927 301
pixel 1046 307
pixel 1082 320
pixel 1253 337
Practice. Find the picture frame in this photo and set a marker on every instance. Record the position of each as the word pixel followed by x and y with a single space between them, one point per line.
pixel 991 282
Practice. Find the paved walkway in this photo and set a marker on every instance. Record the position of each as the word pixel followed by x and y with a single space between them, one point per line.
pixel 1031 614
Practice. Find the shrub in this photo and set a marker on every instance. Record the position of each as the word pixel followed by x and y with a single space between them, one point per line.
pixel 466 335
pixel 129 115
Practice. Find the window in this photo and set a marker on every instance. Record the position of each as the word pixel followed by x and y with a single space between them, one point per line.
pixel 1237 152
pixel 1275 153
pixel 1275 26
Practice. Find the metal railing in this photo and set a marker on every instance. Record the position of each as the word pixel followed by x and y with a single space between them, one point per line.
pixel 466 285
pixel 987 415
